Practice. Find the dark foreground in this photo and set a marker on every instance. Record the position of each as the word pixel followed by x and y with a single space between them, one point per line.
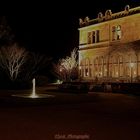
pixel 96 116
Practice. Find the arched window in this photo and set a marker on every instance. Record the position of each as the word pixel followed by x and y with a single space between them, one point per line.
pixel 96 66
pixel 87 67
pixel 100 66
pixel 110 66
pixel 115 66
pixel 81 68
pixel 105 66
pixel 121 69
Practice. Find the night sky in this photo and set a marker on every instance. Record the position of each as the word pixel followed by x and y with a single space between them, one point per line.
pixel 54 31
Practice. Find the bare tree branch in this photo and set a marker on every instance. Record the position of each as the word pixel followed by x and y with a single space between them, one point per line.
pixel 66 67
pixel 11 59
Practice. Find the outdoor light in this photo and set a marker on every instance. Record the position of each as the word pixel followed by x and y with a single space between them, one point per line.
pixel 58 81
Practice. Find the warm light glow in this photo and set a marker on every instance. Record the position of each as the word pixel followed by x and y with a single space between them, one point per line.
pixel 59 81
pixel 134 72
pixel 33 96
pixel 70 62
pixel 131 65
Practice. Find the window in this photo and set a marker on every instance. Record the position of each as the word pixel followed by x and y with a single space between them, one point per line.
pixel 121 65
pixel 97 36
pixel 93 37
pixel 89 38
pixel 116 32
pixel 86 72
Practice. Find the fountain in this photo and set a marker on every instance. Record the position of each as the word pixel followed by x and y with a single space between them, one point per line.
pixel 34 94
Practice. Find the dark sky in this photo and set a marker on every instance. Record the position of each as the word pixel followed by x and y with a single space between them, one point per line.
pixel 52 29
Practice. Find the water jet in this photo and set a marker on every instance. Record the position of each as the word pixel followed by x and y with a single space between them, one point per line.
pixel 34 95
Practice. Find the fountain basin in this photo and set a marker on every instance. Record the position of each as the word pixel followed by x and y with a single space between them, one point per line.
pixel 38 96
pixel 33 95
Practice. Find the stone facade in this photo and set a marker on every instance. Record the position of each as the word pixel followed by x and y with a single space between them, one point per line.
pixel 109 46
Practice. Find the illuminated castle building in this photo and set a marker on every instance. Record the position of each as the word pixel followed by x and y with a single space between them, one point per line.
pixel 109 46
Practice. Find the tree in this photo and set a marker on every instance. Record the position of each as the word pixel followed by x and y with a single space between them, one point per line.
pixel 11 60
pixel 66 68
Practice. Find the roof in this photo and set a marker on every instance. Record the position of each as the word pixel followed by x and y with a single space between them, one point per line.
pixel 109 16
